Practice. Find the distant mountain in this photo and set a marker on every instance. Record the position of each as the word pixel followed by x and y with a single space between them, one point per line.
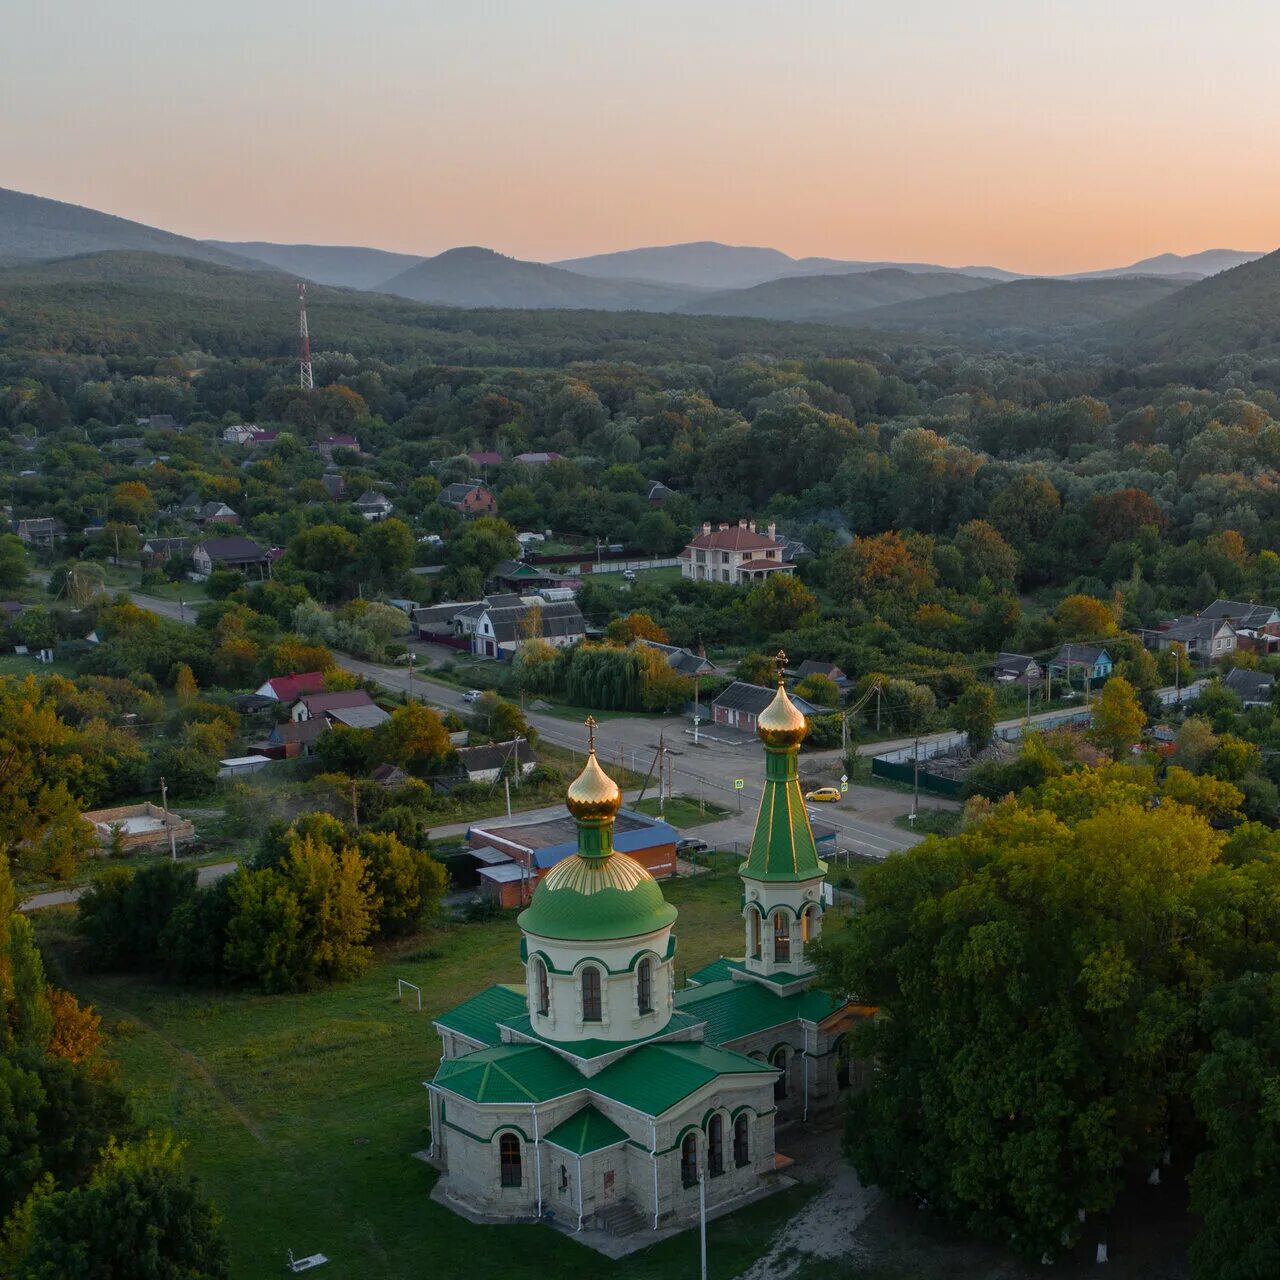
pixel 1185 266
pixel 1025 309
pixel 711 265
pixel 32 227
pixel 346 265
pixel 835 299
pixel 1237 310
pixel 474 277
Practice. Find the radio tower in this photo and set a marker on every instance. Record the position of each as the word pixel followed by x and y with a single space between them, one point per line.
pixel 304 342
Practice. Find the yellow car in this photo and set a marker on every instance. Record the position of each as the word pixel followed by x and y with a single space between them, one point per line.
pixel 828 795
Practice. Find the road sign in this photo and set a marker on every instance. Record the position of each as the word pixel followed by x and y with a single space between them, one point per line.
pixel 844 786
pixel 739 783
pixel 844 779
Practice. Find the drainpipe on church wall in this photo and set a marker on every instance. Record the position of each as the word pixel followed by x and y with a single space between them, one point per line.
pixel 579 1193
pixel 804 1053
pixel 653 1155
pixel 537 1155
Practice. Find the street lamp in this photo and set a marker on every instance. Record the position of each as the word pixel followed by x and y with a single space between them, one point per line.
pixel 182 611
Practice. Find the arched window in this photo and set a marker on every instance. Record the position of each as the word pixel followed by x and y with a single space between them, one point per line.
pixel 779 1060
pixel 689 1161
pixel 755 934
pixel 591 994
pixel 644 986
pixel 742 1141
pixel 715 1146
pixel 564 1180
pixel 781 938
pixel 544 988
pixel 509 1159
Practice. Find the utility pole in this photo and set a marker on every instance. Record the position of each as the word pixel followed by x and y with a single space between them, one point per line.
pixel 305 379
pixel 662 759
pixel 696 712
pixel 413 657
pixel 164 805
pixel 1026 675
pixel 878 692
pixel 1177 674
pixel 506 786
pixel 915 794
pixel 1088 673
pixel 355 807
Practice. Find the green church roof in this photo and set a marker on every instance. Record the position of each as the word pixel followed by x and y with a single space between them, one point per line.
pixel 782 846
pixel 478 1018
pixel 508 1073
pixel 734 1009
pixel 595 1047
pixel 586 1131
pixel 654 1077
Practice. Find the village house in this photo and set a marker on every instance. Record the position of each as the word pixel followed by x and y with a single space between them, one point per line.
pixel 485 458
pixel 1204 639
pixel 499 628
pixel 216 513
pixel 373 505
pixel 658 493
pixel 468 497
pixel 488 763
pixel 232 552
pixel 240 433
pixel 683 661
pixel 1019 667
pixel 158 422
pixel 288 689
pixel 326 447
pixel 312 705
pixel 1087 661
pixel 157 551
pixel 741 705
pixel 1253 688
pixel 293 739
pixel 735 554
pixel 813 667
pixel 40 531
pixel 538 459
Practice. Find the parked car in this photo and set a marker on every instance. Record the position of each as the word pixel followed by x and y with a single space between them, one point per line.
pixel 472 695
pixel 686 847
pixel 628 575
pixel 824 795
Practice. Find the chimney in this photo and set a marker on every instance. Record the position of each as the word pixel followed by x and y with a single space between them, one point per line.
pixel 723 526
pixel 751 524
pixel 773 530
pixel 742 524
pixel 706 527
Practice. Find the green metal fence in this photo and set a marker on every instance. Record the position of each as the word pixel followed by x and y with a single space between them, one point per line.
pixel 932 782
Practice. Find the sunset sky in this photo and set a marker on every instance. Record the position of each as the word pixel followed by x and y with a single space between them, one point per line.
pixel 1036 135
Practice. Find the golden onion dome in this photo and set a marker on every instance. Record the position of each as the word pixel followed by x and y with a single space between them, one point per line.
pixel 780 724
pixel 593 795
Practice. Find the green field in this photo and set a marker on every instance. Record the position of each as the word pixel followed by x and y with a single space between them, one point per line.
pixel 301 1113
pixel 682 811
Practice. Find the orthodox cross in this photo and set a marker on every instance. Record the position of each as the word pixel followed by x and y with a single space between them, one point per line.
pixel 780 661
pixel 590 722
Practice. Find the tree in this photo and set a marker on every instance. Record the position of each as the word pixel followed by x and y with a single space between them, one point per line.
pixel 184 684
pixel 636 625
pixel 482 544
pixel 1081 617
pixel 756 668
pixel 408 884
pixel 975 715
pixel 414 738
pixel 29 1018
pixel 14 565
pixel 819 689
pixel 986 554
pixel 386 553
pixel 1118 718
pixel 140 1215
pixel 781 603
pixel 76 1033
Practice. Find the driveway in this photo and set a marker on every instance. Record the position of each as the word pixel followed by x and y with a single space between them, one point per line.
pixel 65 897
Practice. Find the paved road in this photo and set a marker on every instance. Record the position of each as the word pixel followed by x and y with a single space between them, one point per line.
pixel 64 897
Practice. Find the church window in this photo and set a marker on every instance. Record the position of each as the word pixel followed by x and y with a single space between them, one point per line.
pixel 755 934
pixel 509 1159
pixel 689 1161
pixel 544 989
pixel 644 986
pixel 591 994
pixel 781 938
pixel 564 1180
pixel 741 1141
pixel 715 1146
pixel 779 1060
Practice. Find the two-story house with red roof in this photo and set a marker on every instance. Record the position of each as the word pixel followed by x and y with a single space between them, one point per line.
pixel 734 553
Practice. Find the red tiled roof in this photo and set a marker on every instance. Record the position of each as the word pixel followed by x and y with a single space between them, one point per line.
pixel 318 703
pixel 290 688
pixel 734 538
pixel 485 458
pixel 748 565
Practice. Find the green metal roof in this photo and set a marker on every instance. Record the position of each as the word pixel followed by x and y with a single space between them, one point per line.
pixel 653 1078
pixel 595 899
pixel 586 1131
pixel 596 1048
pixel 716 971
pixel 478 1018
pixel 733 1009
pixel 519 1073
pixel 782 846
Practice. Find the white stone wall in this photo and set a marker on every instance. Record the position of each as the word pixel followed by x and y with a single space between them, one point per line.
pixel 791 899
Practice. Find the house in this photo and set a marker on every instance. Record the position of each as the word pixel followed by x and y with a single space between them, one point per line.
pixel 11 610
pixel 740 705
pixel 157 551
pixel 516 575
pixel 734 553
pixel 140 826
pixel 390 776
pixel 1252 687
pixel 216 513
pixel 468 497
pixel 812 667
pixel 335 484
pixel 1204 639
pixel 1243 617
pixel 1089 661
pixel 1017 666
pixel 373 505
pixel 361 717
pixel 288 689
pixel 158 422
pixel 683 661
pixel 229 553
pixel 241 433
pixel 485 458
pixel 498 628
pixel 294 739
pixel 438 621
pixel 658 493
pixel 234 766
pixel 311 705
pixel 487 763
pixel 40 531
pixel 538 459
pixel 262 437
pixel 326 447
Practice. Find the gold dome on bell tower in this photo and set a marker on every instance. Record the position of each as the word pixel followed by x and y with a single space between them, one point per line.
pixel 780 724
pixel 593 796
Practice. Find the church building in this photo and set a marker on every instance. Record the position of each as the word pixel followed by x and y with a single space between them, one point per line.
pixel 599 1093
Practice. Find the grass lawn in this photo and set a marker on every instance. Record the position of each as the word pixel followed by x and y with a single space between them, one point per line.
pixel 301 1112
pixel 682 811
pixel 12 664
pixel 931 822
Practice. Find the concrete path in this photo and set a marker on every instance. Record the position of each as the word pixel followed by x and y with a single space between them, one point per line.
pixel 65 897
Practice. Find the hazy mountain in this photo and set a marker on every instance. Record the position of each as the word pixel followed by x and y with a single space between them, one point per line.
pixel 1185 266
pixel 1237 310
pixel 1029 309
pixel 832 298
pixel 474 277
pixel 347 265
pixel 32 227
pixel 709 264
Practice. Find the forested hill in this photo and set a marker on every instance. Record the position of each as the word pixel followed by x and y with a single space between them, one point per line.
pixel 835 299
pixel 32 227
pixel 350 266
pixel 1238 310
pixel 144 304
pixel 1025 310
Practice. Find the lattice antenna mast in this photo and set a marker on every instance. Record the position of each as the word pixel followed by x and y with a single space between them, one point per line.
pixel 305 379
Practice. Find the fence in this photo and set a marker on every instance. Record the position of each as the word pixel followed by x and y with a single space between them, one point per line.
pixel 932 782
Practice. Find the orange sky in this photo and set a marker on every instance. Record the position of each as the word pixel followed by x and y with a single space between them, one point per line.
pixel 1036 136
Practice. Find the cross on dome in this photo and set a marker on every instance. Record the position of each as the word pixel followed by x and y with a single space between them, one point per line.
pixel 780 661
pixel 590 722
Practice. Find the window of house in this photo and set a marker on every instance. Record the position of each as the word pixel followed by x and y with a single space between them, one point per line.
pixel 741 1141
pixel 544 989
pixel 715 1146
pixel 779 1060
pixel 644 986
pixel 781 938
pixel 591 994
pixel 509 1159
pixel 689 1161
